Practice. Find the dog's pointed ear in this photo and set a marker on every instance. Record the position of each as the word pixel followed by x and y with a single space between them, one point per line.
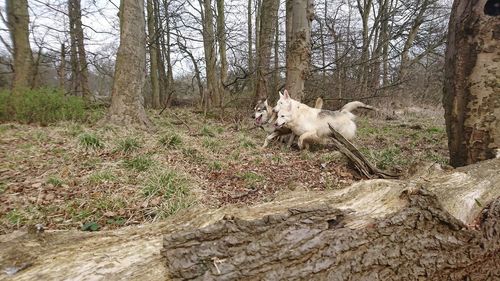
pixel 286 95
pixel 265 102
pixel 281 95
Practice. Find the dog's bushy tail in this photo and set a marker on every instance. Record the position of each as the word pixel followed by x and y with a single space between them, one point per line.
pixel 349 107
pixel 319 103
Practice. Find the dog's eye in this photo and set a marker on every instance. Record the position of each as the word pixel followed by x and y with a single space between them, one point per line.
pixel 283 116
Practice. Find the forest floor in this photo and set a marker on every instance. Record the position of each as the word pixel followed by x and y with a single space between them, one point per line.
pixel 90 177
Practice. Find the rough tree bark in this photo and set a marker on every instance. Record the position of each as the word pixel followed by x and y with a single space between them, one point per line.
pixel 299 48
pixel 221 38
pixel 153 55
pixel 18 23
pixel 267 21
pixel 471 89
pixel 430 227
pixel 127 104
pixel 210 54
pixel 79 66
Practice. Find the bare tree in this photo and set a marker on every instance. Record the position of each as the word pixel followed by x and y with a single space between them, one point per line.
pixel 299 53
pixel 221 38
pixel 153 55
pixel 126 99
pixel 471 90
pixel 267 21
pixel 79 67
pixel 18 22
pixel 210 54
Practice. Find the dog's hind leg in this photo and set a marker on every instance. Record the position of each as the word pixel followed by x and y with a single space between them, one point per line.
pixel 269 138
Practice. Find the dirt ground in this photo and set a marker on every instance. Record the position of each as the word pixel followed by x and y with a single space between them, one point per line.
pixel 92 177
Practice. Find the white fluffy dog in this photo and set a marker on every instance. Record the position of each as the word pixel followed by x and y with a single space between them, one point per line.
pixel 311 124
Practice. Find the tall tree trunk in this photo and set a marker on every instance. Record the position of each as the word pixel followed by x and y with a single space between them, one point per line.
pixel 276 79
pixel 221 38
pixel 250 44
pixel 210 55
pixel 299 55
pixel 18 22
pixel 364 11
pixel 471 89
pixel 153 55
pixel 61 70
pixel 169 81
pixel 127 106
pixel 79 67
pixel 267 28
pixel 161 49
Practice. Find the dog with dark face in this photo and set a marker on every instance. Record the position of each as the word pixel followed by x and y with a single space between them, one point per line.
pixel 264 117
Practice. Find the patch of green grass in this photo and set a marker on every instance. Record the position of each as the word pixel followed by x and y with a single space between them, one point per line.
pixel 43 106
pixel 100 177
pixel 171 140
pixel 212 144
pixel 90 141
pixel 389 157
pixel 3 187
pixel 74 129
pixel 139 163
pixel 15 217
pixel 128 145
pixel 193 154
pixel 435 157
pixel 207 131
pixel 173 188
pixel 251 179
pixel 55 181
pixel 435 130
pixel 215 166
pixel 246 142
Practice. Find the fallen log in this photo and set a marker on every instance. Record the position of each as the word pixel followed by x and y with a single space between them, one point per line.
pixel 432 227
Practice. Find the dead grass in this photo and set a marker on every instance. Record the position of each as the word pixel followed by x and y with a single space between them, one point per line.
pixel 72 175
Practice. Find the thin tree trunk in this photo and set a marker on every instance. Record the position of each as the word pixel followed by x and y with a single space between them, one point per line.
pixel 167 50
pixel 79 69
pixel 364 11
pixel 221 38
pixel 153 55
pixel 18 23
pixel 61 70
pixel 127 102
pixel 267 28
pixel 276 80
pixel 161 50
pixel 299 55
pixel 250 45
pixel 471 89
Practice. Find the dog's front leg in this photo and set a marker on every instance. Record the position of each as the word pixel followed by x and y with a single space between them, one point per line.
pixel 269 138
pixel 290 140
pixel 304 138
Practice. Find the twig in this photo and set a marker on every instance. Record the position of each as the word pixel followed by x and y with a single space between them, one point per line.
pixel 183 122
